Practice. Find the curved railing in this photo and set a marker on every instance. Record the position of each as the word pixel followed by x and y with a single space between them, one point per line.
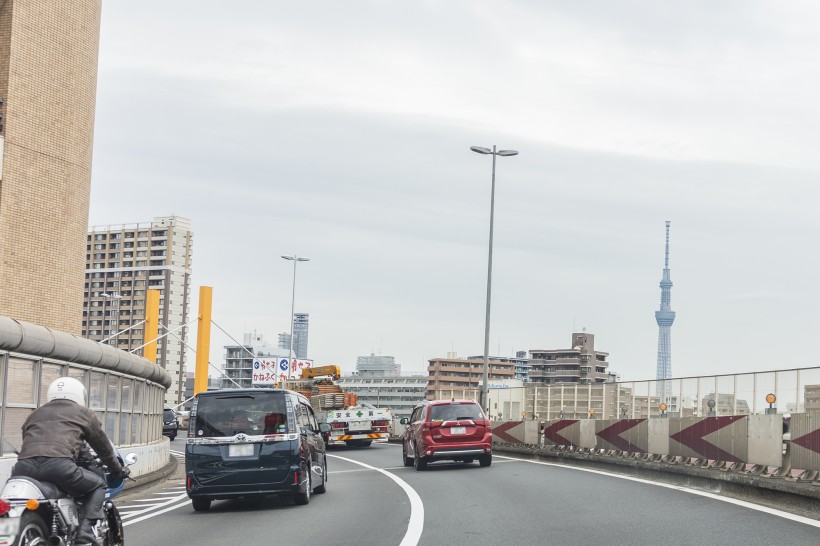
pixel 126 391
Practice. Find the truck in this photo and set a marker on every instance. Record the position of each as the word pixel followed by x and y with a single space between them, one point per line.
pixel 351 423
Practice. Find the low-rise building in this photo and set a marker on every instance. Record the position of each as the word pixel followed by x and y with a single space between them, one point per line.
pixel 398 393
pixel 454 377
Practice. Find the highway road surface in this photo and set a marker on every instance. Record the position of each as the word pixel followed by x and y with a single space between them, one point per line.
pixel 372 499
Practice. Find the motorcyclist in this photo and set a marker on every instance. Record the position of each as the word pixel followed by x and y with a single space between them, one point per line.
pixel 53 436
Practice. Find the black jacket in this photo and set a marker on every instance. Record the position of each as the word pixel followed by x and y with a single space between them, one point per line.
pixel 59 429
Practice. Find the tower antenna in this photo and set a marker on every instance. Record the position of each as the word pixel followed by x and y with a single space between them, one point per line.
pixel 665 317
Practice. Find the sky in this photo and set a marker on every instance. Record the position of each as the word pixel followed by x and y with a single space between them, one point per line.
pixel 341 131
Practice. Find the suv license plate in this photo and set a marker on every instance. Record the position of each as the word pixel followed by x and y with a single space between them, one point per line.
pixel 458 430
pixel 240 450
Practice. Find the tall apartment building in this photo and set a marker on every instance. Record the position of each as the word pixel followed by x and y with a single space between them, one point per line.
pixel 463 376
pixel 580 364
pixel 122 262
pixel 375 365
pixel 48 86
pixel 300 336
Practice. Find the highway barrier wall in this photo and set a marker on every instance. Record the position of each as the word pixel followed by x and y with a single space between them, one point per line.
pixel 739 440
pixel 125 391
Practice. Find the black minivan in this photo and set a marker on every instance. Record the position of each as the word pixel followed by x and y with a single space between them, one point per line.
pixel 253 443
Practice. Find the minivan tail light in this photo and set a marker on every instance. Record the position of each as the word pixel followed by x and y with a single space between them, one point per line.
pixel 295 477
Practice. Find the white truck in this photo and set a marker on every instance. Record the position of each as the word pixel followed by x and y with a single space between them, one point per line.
pixel 357 426
pixel 351 423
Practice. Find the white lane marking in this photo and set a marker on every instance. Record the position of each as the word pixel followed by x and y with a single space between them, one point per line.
pixel 416 524
pixel 152 514
pixel 745 504
pixel 155 506
pixel 363 470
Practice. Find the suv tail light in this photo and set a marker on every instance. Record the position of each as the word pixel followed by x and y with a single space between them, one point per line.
pixel 5 506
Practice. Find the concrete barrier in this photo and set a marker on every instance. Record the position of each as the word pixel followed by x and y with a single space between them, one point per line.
pixel 150 458
pixel 805 440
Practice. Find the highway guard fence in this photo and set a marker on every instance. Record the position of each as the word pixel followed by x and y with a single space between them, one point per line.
pixel 126 391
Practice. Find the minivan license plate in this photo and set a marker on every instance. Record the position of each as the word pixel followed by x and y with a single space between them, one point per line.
pixel 458 430
pixel 240 450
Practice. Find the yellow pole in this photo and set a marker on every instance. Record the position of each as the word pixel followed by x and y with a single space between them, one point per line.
pixel 151 325
pixel 203 340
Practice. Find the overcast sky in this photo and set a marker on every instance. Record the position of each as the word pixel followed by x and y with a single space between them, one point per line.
pixel 341 131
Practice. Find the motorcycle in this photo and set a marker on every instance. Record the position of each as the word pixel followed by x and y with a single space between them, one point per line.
pixel 35 513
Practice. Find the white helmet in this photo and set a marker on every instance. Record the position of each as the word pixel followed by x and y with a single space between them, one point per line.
pixel 66 388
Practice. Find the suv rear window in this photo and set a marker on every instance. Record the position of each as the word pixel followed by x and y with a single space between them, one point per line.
pixel 168 415
pixel 248 413
pixel 455 412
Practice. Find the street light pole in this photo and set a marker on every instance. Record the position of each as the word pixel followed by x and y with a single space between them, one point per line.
pixel 294 259
pixel 109 298
pixel 486 371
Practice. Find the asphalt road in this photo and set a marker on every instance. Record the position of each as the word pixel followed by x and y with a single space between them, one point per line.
pixel 372 499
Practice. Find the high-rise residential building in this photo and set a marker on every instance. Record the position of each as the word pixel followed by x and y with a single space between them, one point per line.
pixel 665 317
pixel 48 84
pixel 300 335
pixel 122 262
pixel 376 365
pixel 579 364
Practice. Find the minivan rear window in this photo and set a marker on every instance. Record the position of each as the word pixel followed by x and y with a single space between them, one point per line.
pixel 248 413
pixel 455 412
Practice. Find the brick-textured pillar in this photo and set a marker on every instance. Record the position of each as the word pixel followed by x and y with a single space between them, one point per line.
pixel 48 81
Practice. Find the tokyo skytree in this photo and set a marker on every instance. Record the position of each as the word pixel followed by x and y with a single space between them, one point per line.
pixel 665 317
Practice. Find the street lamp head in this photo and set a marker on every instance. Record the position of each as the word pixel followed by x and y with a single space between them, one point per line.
pixel 506 153
pixel 303 259
pixel 480 150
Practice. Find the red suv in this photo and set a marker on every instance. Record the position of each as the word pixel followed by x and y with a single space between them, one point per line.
pixel 455 430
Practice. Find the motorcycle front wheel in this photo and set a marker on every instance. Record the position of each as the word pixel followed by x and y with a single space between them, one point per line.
pixel 112 534
pixel 32 530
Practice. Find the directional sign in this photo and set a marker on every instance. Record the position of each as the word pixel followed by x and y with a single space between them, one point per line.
pixel 805 448
pixel 551 432
pixel 511 431
pixel 694 438
pixel 612 435
pixel 810 441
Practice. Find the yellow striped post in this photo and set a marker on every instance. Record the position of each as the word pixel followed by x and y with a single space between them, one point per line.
pixel 203 340
pixel 151 325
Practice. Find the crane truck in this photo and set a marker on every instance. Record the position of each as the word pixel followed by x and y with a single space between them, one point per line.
pixel 351 423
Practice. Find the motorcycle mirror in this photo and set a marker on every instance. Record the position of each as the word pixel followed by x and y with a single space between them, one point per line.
pixel 130 459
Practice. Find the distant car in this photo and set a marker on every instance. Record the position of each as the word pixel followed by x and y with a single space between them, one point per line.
pixel 170 425
pixel 456 430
